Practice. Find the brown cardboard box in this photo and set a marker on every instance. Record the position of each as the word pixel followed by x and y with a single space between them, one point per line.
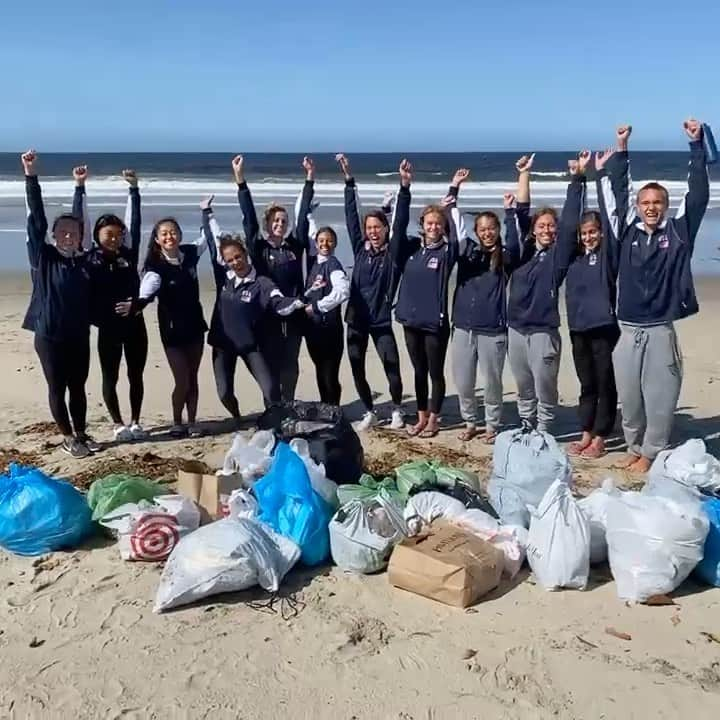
pixel 448 564
pixel 210 492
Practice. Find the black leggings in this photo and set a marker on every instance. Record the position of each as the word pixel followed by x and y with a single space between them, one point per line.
pixel 387 350
pixel 592 353
pixel 280 347
pixel 326 344
pixel 66 364
pixel 427 352
pixel 185 363
pixel 224 364
pixel 133 341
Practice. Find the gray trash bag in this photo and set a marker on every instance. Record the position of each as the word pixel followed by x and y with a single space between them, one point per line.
pixel 364 532
pixel 526 462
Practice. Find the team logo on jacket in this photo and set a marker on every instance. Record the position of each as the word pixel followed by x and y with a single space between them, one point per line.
pixel 122 263
pixel 663 242
pixel 592 260
pixel 319 283
pixel 433 263
pixel 246 296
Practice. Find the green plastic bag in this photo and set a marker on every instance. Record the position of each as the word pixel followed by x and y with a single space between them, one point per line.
pixel 367 490
pixel 447 476
pixel 416 472
pixel 111 491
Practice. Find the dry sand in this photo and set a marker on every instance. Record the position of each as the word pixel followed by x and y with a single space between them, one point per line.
pixel 78 638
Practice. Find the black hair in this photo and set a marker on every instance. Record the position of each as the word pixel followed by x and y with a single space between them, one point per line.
pixel 233 240
pixel 153 249
pixel 107 220
pixel 588 216
pixel 379 215
pixel 329 230
pixel 74 218
pixel 496 257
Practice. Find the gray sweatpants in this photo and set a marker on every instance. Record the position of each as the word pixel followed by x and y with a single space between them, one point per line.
pixel 535 363
pixel 648 370
pixel 470 350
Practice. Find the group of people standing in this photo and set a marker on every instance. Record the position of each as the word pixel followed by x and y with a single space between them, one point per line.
pixel 625 266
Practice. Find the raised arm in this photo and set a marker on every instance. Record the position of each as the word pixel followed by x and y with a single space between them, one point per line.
pixel 251 227
pixel 694 204
pixel 303 207
pixel 399 241
pixel 211 232
pixel 352 203
pixel 79 206
pixel 37 225
pixel 511 246
pixel 457 234
pixel 567 240
pixel 523 167
pixel 133 216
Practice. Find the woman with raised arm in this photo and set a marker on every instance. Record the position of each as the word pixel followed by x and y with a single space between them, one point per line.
pixel 480 318
pixel 114 284
pixel 170 275
pixel 373 286
pixel 590 296
pixel 534 343
pixel 278 255
pixel 59 310
pixel 244 302
pixel 425 262
pixel 327 287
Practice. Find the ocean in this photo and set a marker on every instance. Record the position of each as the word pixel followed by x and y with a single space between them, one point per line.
pixel 174 183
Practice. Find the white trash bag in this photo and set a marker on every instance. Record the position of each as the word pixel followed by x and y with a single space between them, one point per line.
pixel 595 507
pixel 323 486
pixel 150 531
pixel 225 556
pixel 690 465
pixel 242 504
pixel 250 459
pixel 654 543
pixel 559 540
pixel 364 532
pixel 525 464
pixel 425 507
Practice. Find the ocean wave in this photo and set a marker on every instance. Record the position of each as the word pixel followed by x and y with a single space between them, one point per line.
pixel 387 174
pixel 537 173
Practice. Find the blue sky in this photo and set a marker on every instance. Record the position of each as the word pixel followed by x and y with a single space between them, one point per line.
pixel 261 75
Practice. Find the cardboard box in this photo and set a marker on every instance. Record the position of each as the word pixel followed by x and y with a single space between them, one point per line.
pixel 447 564
pixel 210 492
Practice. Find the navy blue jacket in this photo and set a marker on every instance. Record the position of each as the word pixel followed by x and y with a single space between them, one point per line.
pixel 655 280
pixel 423 296
pixel 282 264
pixel 590 284
pixel 319 285
pixel 60 302
pixel 113 276
pixel 375 273
pixel 180 314
pixel 480 303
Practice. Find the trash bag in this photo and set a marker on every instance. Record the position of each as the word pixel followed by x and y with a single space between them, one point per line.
pixel 467 495
pixel 653 543
pixel 111 491
pixel 363 533
pixel 39 514
pixel 331 439
pixel 559 540
pixel 690 465
pixel 150 531
pixel 242 504
pixel 525 464
pixel 424 508
pixel 291 507
pixel 448 476
pixel 595 508
pixel 250 459
pixel 708 569
pixel 367 488
pixel 413 474
pixel 225 556
pixel 327 489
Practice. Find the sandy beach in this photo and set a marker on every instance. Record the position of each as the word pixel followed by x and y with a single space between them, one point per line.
pixel 78 637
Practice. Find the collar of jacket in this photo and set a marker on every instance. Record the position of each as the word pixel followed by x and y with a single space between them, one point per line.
pixel 244 280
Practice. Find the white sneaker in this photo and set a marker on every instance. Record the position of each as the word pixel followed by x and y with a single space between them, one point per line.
pixel 122 434
pixel 398 420
pixel 369 420
pixel 138 432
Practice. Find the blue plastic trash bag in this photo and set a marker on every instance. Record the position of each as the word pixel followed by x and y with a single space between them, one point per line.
pixel 291 507
pixel 708 569
pixel 39 514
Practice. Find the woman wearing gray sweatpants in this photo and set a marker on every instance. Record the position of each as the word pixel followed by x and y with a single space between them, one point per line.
pixel 480 319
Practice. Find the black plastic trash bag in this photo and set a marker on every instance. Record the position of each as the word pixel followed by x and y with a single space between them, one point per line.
pixel 467 495
pixel 330 437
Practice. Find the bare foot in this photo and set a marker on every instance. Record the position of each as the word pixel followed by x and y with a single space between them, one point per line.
pixel 489 437
pixel 595 450
pixel 626 461
pixel 468 433
pixel 576 448
pixel 641 465
pixel 432 428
